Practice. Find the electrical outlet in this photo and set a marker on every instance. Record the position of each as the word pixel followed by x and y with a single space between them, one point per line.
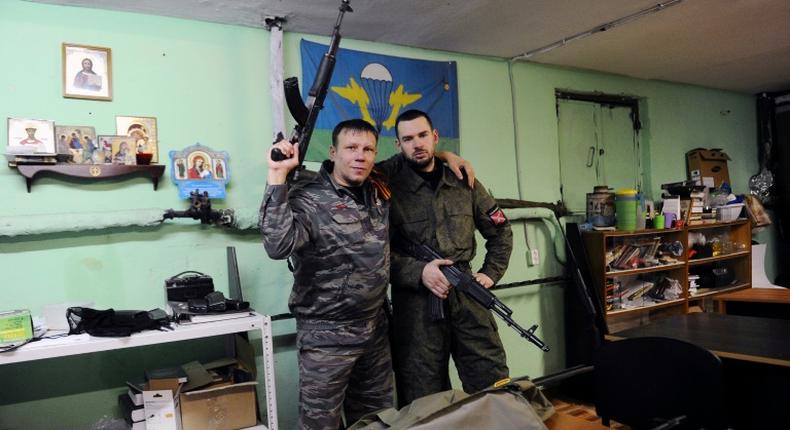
pixel 534 257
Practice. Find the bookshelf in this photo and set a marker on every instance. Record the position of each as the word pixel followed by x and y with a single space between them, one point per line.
pixel 634 291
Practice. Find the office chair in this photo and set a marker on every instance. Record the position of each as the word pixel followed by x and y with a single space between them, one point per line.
pixel 657 382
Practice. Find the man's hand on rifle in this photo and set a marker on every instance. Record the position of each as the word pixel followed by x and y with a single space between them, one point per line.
pixel 483 280
pixel 278 170
pixel 434 279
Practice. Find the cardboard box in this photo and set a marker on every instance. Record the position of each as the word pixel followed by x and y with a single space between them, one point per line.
pixel 222 407
pixel 221 395
pixel 708 166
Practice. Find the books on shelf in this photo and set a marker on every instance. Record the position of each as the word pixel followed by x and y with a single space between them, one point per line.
pixel 639 254
pixel 175 372
pixel 131 413
pixel 183 315
pixel 30 159
pixel 167 378
pixel 211 317
pixel 135 391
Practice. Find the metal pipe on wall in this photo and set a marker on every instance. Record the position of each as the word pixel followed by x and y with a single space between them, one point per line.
pixel 27 225
pixel 275 26
pixel 547 216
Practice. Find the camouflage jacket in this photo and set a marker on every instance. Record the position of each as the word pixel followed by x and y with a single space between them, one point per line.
pixel 446 220
pixel 339 247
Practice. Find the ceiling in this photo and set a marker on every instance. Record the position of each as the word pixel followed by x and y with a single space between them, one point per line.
pixel 737 45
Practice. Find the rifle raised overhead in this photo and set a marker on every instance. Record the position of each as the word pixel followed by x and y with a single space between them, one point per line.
pixel 306 114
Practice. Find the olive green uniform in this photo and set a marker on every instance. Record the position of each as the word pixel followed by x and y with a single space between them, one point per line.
pixel 445 219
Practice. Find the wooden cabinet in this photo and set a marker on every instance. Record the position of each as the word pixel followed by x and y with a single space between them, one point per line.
pixel 730 247
pixel 645 274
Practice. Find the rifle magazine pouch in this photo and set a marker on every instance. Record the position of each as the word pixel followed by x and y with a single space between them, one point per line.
pixel 112 323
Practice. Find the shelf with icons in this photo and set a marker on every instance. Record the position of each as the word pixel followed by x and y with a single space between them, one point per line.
pixel 90 171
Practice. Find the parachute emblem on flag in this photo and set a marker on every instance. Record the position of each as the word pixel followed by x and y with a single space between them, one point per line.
pixel 378 103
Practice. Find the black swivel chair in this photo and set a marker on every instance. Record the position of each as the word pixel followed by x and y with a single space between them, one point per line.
pixel 657 382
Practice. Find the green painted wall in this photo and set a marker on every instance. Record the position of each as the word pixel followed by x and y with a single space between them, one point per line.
pixel 208 83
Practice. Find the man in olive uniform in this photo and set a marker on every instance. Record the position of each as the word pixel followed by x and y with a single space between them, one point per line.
pixel 432 206
pixel 334 229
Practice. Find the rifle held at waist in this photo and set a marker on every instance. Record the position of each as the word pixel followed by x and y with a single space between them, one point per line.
pixel 465 282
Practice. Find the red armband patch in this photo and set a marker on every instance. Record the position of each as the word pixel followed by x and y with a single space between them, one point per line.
pixel 497 216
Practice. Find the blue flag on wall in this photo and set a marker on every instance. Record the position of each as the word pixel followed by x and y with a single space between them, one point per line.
pixel 377 88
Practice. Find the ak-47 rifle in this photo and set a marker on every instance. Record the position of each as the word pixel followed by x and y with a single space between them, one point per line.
pixel 465 282
pixel 306 114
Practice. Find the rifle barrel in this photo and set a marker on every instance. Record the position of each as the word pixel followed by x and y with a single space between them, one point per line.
pixel 526 334
pixel 306 120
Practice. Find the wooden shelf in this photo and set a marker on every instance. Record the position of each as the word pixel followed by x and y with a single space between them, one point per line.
pixel 717 224
pixel 718 291
pixel 90 171
pixel 627 233
pixel 708 260
pixel 646 307
pixel 598 243
pixel 661 268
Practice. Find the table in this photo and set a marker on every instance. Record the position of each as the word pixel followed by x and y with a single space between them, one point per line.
pixel 756 357
pixel 765 302
pixel 84 344
pixel 754 339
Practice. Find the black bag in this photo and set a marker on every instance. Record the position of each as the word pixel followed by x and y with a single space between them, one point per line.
pixel 112 323
pixel 188 285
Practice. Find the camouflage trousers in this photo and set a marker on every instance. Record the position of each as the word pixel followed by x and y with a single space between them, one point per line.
pixel 342 367
pixel 422 347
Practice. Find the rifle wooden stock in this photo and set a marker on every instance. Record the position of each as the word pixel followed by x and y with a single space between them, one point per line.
pixel 306 114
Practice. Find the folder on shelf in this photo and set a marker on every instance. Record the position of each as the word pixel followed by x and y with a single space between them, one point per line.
pixel 131 413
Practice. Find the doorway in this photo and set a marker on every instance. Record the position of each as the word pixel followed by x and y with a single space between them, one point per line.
pixel 598 145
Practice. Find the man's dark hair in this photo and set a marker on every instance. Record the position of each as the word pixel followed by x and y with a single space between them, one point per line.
pixel 354 125
pixel 410 115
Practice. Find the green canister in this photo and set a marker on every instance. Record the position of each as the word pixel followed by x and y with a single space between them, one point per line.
pixel 625 203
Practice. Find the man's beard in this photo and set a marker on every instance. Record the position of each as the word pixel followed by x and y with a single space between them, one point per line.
pixel 419 165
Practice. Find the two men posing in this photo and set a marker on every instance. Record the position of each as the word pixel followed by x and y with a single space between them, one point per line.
pixel 336 227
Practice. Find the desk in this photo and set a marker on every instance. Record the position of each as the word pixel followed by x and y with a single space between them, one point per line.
pixel 759 340
pixel 764 302
pixel 756 357
pixel 83 344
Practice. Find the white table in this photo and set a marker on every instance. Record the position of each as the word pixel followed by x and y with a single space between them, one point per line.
pixel 85 344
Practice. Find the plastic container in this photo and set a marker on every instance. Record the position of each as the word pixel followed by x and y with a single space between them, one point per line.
pixel 729 212
pixel 625 202
pixel 668 219
pixel 659 222
pixel 600 207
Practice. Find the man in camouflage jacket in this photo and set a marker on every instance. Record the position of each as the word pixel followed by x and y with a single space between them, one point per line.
pixel 432 206
pixel 334 229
